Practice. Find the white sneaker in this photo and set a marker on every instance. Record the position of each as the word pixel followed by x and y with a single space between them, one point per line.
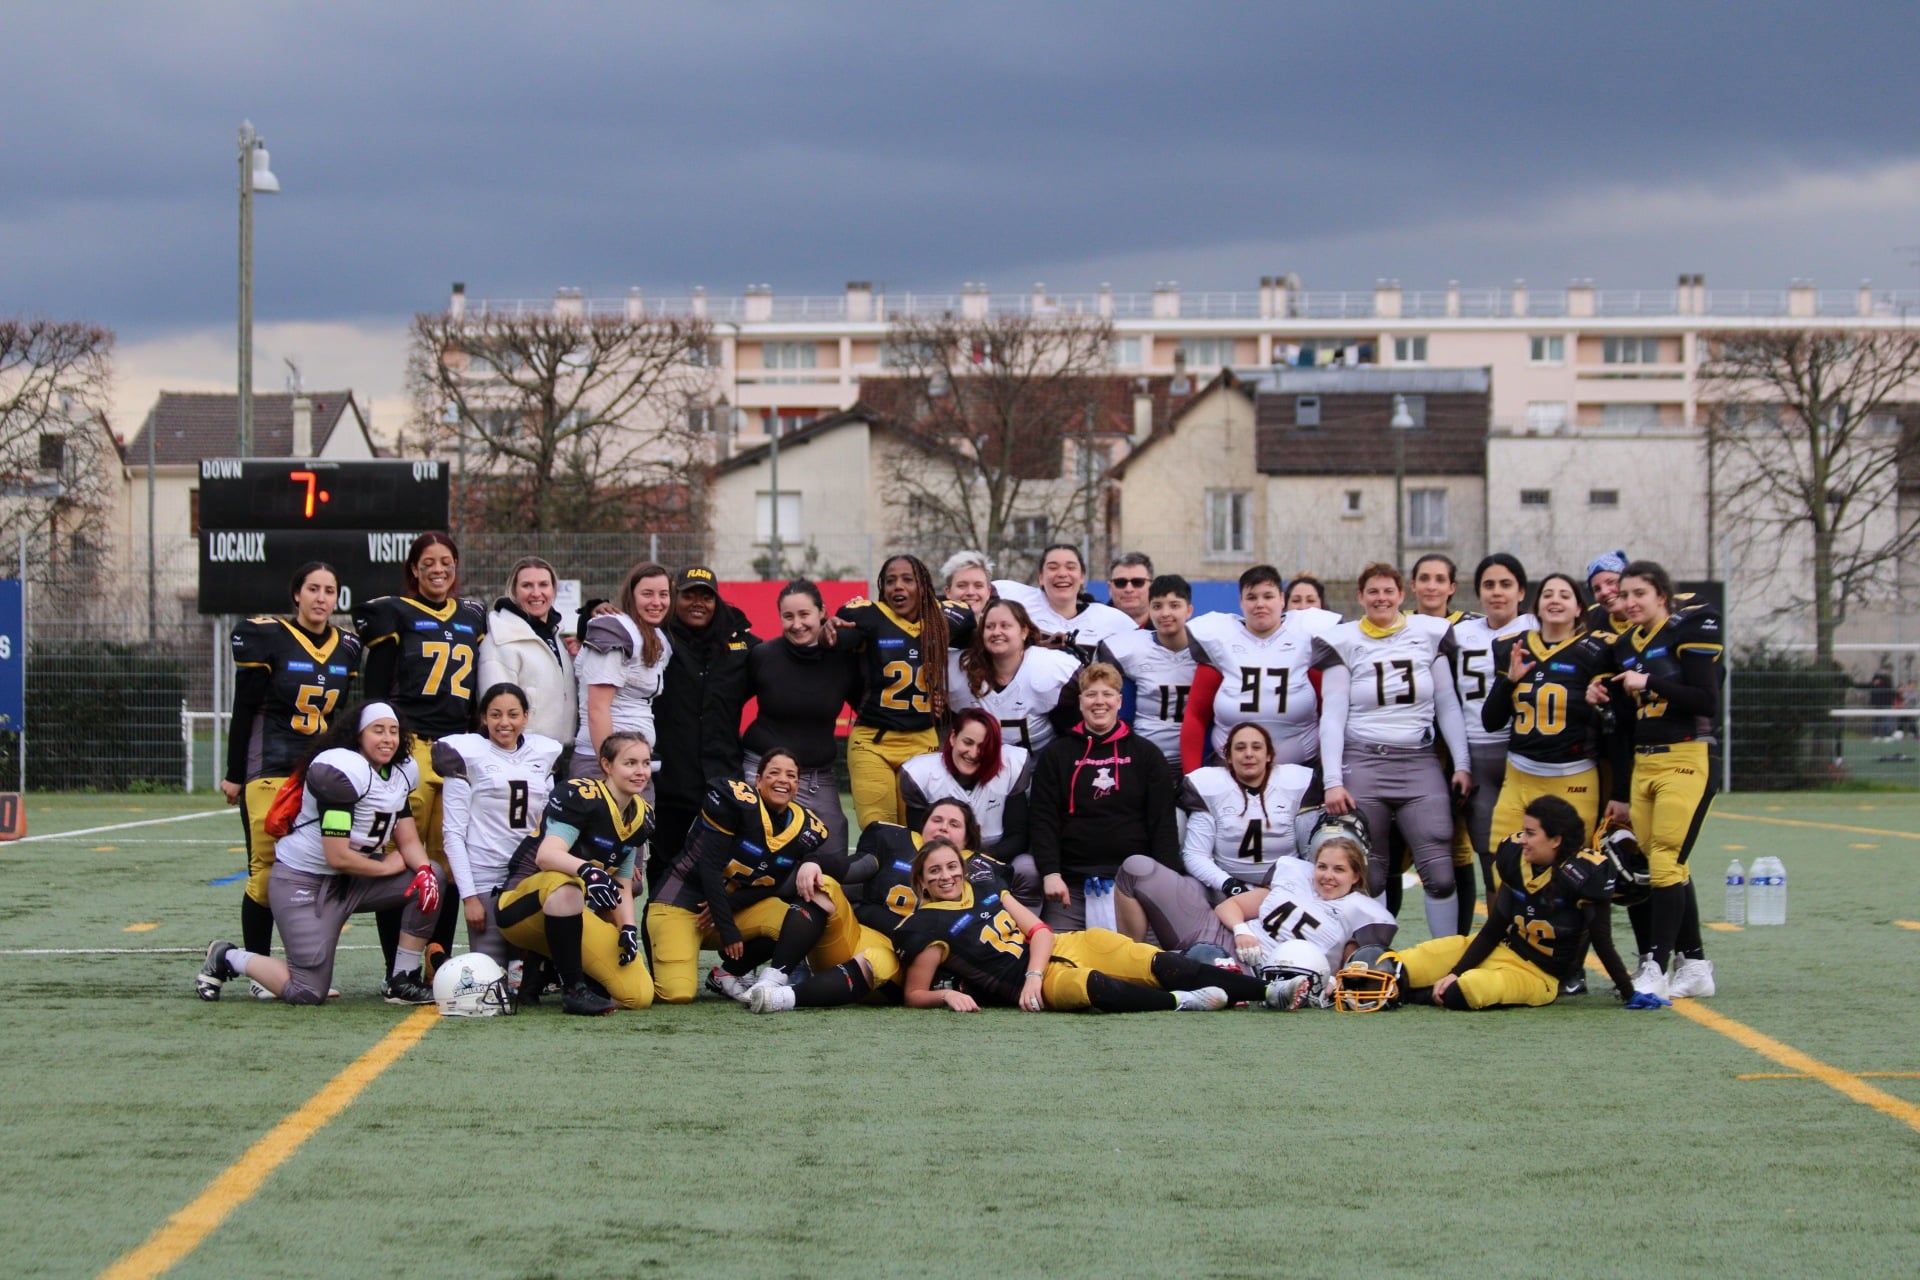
pixel 769 998
pixel 1652 979
pixel 1287 993
pixel 722 983
pixel 1692 979
pixel 259 992
pixel 1204 998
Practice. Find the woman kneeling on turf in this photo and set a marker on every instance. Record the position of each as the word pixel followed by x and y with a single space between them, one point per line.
pixel 336 861
pixel 1005 955
pixel 1554 896
pixel 570 885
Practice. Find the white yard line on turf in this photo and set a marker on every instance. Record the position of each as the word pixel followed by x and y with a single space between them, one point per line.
pixel 119 826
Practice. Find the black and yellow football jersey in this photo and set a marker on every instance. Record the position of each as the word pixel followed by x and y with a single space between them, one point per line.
pixel 888 897
pixel 422 658
pixel 978 940
pixel 583 812
pixel 287 681
pixel 896 697
pixel 1551 721
pixel 741 848
pixel 1543 911
pixel 1682 660
pixel 1598 619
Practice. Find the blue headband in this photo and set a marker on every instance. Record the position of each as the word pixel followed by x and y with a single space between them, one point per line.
pixel 1610 562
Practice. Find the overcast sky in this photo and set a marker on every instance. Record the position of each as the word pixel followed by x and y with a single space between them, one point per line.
pixel 519 146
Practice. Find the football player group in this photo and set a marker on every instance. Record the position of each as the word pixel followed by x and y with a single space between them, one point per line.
pixel 1060 804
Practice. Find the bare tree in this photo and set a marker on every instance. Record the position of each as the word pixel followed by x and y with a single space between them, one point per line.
pixel 566 421
pixel 1009 423
pixel 58 460
pixel 1806 443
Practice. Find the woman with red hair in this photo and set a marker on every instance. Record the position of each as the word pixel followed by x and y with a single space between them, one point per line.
pixel 990 777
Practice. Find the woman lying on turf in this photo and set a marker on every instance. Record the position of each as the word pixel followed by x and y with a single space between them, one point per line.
pixel 1555 895
pixel 1005 955
pixel 352 848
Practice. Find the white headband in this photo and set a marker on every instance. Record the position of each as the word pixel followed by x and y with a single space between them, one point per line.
pixel 374 711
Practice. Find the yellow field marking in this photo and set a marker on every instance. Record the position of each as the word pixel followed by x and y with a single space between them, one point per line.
pixel 1857 1075
pixel 1823 826
pixel 1723 927
pixel 1735 847
pixel 147 927
pixel 1908 924
pixel 183 1232
pixel 236 848
pixel 1794 1060
pixel 105 848
pixel 348 925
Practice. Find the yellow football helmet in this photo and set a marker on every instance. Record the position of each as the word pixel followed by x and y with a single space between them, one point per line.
pixel 1363 987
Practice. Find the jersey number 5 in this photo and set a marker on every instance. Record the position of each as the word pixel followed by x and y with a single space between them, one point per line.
pixel 309 712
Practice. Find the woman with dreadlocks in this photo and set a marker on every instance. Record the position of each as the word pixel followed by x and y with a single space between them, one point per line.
pixel 902 637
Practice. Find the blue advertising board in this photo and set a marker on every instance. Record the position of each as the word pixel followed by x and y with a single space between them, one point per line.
pixel 13 657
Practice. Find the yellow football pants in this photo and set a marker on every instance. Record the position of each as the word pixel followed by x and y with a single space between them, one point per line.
pixel 630 985
pixel 424 803
pixel 676 938
pixel 1518 790
pixel 1505 977
pixel 1084 952
pixel 256 798
pixel 845 938
pixel 873 767
pixel 1669 797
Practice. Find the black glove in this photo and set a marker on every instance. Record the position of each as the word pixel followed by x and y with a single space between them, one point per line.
pixel 1234 888
pixel 629 943
pixel 603 891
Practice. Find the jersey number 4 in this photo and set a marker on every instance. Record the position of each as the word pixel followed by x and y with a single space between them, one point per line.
pixel 1253 845
pixel 1250 688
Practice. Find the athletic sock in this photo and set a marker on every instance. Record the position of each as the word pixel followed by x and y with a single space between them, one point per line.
pixel 1112 995
pixel 1176 972
pixel 1669 905
pixel 799 933
pixel 752 955
pixel 1688 942
pixel 1443 915
pixel 405 961
pixel 388 923
pixel 238 958
pixel 1640 916
pixel 841 985
pixel 563 948
pixel 256 926
pixel 1465 894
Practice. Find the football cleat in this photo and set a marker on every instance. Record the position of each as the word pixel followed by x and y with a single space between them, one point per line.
pixel 1204 998
pixel 1651 979
pixel 586 1002
pixel 430 961
pixel 406 988
pixel 770 999
pixel 722 983
pixel 1368 987
pixel 1287 993
pixel 1692 979
pixel 1574 986
pixel 215 972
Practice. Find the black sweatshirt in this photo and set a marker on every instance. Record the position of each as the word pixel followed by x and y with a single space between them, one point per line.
pixel 1098 800
pixel 801 692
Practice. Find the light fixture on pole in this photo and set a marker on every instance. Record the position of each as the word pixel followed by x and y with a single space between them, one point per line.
pixel 1401 424
pixel 255 176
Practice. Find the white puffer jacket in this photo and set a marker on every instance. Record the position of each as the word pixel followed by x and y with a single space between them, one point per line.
pixel 513 651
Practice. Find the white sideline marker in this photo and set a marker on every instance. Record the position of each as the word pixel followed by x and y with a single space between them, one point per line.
pixel 120 826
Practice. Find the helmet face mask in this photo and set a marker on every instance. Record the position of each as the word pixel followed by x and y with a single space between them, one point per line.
pixel 1363 987
pixel 1632 882
pixel 472 986
pixel 1326 826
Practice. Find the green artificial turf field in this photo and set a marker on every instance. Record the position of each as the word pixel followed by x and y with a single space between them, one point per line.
pixel 1575 1140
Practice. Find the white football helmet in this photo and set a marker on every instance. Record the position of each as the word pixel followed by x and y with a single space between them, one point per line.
pixel 1297 958
pixel 471 986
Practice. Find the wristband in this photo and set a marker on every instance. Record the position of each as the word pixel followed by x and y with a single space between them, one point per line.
pixel 1040 926
pixel 1033 974
pixel 1243 930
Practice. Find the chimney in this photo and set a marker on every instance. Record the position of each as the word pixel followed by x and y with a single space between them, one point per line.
pixel 859 300
pixel 1166 300
pixel 1105 305
pixel 457 305
pixel 1580 298
pixel 1866 297
pixel 1520 303
pixel 1453 298
pixel 636 306
pixel 975 301
pixel 1266 297
pixel 303 427
pixel 698 301
pixel 568 304
pixel 1802 298
pixel 1142 414
pixel 759 306
pixel 1386 299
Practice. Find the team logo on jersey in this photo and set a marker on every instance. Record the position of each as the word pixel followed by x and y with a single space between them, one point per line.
pixel 959 926
pixel 299 666
pixel 1103 783
pixel 1561 666
pixel 423 624
pixel 334 670
pixel 891 642
pixel 1661 652
pixel 903 866
pixel 752 848
pixel 461 626
pixel 604 842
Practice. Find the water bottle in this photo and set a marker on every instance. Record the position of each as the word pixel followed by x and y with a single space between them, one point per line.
pixel 1736 894
pixel 1768 904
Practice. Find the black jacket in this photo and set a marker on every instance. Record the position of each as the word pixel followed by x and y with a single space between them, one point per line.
pixel 696 717
pixel 1097 801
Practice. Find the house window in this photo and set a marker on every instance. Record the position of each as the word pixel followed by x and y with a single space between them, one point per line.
pixel 1536 497
pixel 1547 349
pixel 1546 417
pixel 1227 523
pixel 1210 353
pixel 1629 417
pixel 1630 351
pixel 789 355
pixel 1351 504
pixel 789 516
pixel 706 356
pixel 1029 533
pixel 53 451
pixel 1603 497
pixel 1306 411
pixel 1427 515
pixel 787 421
pixel 1410 350
pixel 1124 351
pixel 908 355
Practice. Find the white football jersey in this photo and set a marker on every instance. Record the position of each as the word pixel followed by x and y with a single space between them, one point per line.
pixel 1391 701
pixel 342 778
pixel 611 653
pixel 1473 672
pixel 1044 678
pixel 1094 622
pixel 1293 910
pixel 1264 680
pixel 492 800
pixel 1232 831
pixel 1162 678
pixel 925 780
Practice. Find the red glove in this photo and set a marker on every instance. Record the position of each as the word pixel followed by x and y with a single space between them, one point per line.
pixel 425 889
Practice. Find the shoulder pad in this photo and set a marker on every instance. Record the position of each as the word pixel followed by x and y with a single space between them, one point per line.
pixel 334 780
pixel 1295 778
pixel 1208 783
pixel 1587 875
pixel 1326 651
pixel 1506 861
pixel 1055 662
pixel 854 605
pixel 608 633
pixel 1698 624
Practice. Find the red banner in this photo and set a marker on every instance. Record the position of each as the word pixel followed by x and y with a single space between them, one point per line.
pixel 760 601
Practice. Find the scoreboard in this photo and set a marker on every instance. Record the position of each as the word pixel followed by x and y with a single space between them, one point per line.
pixel 262 518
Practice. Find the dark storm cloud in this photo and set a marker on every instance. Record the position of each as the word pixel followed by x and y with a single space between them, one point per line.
pixel 519 147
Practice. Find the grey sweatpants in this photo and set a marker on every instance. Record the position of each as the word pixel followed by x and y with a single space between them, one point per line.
pixel 1179 908
pixel 489 941
pixel 1489 772
pixel 1403 787
pixel 819 793
pixel 311 910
